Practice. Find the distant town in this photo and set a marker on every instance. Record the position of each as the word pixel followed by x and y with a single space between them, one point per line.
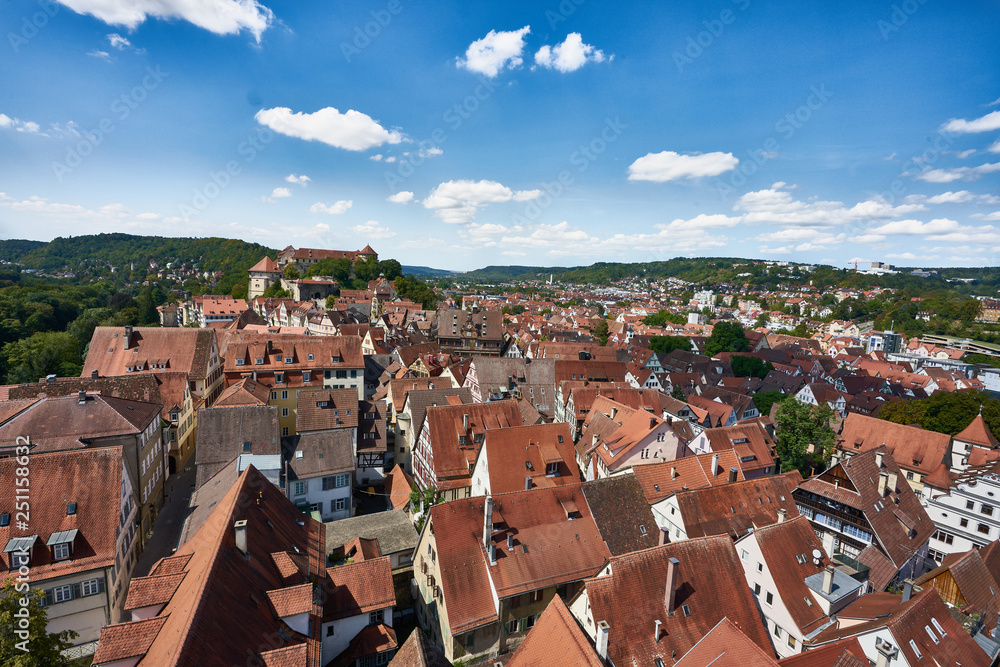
pixel 332 462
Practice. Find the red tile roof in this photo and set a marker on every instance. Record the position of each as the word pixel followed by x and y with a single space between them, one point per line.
pixel 291 600
pixel 556 632
pixel 780 544
pixel 726 646
pixel 734 509
pixel 418 651
pixel 152 590
pixel 977 433
pixel 92 479
pixel 844 653
pixel 913 448
pixel 659 480
pixel 197 621
pixel 127 640
pixel 359 588
pixel 710 582
pixel 445 424
pixel 549 549
pixel 179 349
pixel 324 409
pixel 525 451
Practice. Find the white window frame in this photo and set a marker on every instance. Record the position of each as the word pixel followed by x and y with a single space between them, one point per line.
pixel 62 593
pixel 60 551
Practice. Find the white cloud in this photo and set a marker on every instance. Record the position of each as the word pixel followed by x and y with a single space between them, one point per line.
pixel 457 201
pixel 909 255
pixel 772 206
pixel 277 193
pixel 27 126
pixel 404 197
pixel 916 227
pixel 811 237
pixel 960 197
pixel 865 239
pixel 495 52
pixel 222 17
pixel 353 130
pixel 702 221
pixel 103 55
pixel 994 147
pixel 377 157
pixel 987 123
pixel 433 151
pixel 995 215
pixel 336 208
pixel 669 166
pixel 569 56
pixel 958 173
pixel 119 42
pixel 302 180
pixel 373 230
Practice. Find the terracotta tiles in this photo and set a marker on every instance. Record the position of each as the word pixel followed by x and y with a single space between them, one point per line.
pixel 726 646
pixel 556 633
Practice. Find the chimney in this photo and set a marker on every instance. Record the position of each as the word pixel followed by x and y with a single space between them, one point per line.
pixel 93 374
pixel 663 537
pixel 240 528
pixel 885 653
pixel 670 594
pixel 996 629
pixel 715 463
pixel 488 524
pixel 465 422
pixel 510 542
pixel 81 397
pixel 673 472
pixel 492 550
pixel 128 336
pixel 656 631
pixel 893 478
pixel 907 589
pixel 732 475
pixel 834 460
pixel 878 459
pixel 883 478
pixel 782 514
pixel 828 580
pixel 527 483
pixel 603 630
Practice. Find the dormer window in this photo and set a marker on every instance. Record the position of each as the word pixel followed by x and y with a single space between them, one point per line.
pixel 321 404
pixel 239 362
pixel 60 551
pixel 552 469
pixel 279 377
pixel 278 358
pixel 259 361
pixel 288 360
pixel 310 356
pixel 306 376
pixel 173 416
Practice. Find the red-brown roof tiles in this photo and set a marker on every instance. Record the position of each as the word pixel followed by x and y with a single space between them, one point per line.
pixel 556 633
pixel 726 646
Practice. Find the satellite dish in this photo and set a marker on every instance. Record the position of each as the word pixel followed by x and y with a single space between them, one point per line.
pixel 817 554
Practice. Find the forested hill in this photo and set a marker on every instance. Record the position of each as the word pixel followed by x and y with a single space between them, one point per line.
pixel 121 250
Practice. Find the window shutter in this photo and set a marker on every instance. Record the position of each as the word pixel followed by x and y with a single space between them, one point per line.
pixel 48 597
pixel 100 585
pixel 77 592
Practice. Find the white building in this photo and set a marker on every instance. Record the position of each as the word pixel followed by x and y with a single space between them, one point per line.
pixel 967 513
pixel 320 467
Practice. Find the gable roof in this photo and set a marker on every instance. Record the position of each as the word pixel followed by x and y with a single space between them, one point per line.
pixel 556 632
pixel 781 544
pixel 735 509
pixel 659 480
pixel 445 425
pixel 912 448
pixel 179 348
pixel 710 582
pixel 223 432
pixel 417 651
pixel 622 514
pixel 844 653
pixel 527 451
pixel 324 409
pixel 92 479
pixel 725 646
pixel 901 527
pixel 540 521
pixel 197 621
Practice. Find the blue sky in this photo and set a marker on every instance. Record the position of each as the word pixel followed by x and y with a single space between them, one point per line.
pixel 458 135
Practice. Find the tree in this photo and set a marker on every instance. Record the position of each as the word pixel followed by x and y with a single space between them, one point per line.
pixel 337 268
pixel 41 648
pixel 678 393
pixel 800 331
pixel 239 291
pixel 945 412
pixel 367 270
pixel 726 337
pixel 44 353
pixel 601 331
pixel 765 399
pixel 390 268
pixel 147 309
pixel 805 438
pixel 667 344
pixel 745 366
pixel 291 272
pixel 761 320
pixel 661 317
pixel 421 502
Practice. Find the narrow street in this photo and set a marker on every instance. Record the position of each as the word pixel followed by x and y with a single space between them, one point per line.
pixel 167 529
